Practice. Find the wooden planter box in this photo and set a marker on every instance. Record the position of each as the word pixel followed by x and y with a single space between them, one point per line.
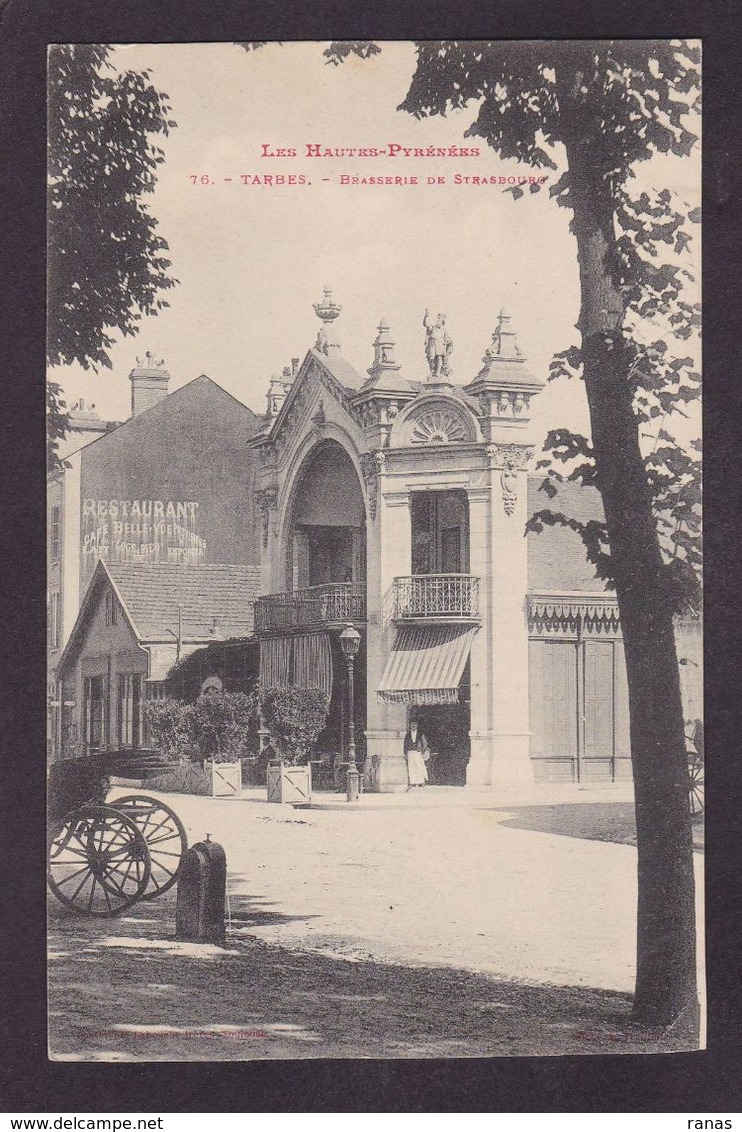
pixel 289 784
pixel 226 779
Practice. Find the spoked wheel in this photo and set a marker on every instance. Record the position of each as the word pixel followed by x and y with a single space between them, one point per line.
pixel 98 861
pixel 697 786
pixel 166 838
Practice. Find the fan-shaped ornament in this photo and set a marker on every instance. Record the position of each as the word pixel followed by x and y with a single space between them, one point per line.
pixel 438 426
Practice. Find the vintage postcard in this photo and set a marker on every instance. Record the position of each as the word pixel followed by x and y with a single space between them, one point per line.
pixel 375 712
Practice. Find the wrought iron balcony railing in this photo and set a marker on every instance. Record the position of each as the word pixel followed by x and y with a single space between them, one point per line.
pixel 441 596
pixel 335 603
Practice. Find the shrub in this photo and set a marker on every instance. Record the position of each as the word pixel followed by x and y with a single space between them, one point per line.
pixel 221 724
pixel 169 723
pixel 295 718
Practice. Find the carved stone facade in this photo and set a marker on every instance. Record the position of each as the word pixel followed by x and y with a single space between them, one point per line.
pixel 266 499
pixel 373 464
pixel 439 424
pixel 404 501
pixel 439 472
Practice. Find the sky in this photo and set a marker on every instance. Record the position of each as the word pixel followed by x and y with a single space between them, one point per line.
pixel 251 259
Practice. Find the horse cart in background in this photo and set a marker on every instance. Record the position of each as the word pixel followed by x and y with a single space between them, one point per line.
pixel 103 856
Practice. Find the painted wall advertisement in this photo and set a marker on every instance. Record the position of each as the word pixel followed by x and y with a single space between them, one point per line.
pixel 140 530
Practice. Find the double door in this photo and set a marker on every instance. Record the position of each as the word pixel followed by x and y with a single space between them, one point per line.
pixel 579 710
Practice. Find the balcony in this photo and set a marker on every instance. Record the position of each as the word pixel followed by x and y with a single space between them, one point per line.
pixel 330 605
pixel 436 597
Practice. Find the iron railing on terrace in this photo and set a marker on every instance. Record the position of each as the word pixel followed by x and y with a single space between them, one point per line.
pixel 337 602
pixel 448 596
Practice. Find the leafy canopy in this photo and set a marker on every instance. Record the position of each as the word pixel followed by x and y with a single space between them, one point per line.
pixel 107 268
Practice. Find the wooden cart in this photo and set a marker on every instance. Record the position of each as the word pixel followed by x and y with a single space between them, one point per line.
pixel 696 774
pixel 103 856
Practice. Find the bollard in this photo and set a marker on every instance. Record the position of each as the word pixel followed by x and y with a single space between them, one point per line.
pixel 202 889
pixel 352 785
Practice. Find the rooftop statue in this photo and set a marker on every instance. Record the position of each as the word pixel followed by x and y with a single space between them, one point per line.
pixel 438 345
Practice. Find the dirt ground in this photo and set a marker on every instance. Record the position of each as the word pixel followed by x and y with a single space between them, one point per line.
pixel 434 926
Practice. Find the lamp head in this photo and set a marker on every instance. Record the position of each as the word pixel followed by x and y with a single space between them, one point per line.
pixel 350 639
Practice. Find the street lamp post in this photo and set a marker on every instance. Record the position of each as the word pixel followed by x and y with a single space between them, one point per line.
pixel 350 639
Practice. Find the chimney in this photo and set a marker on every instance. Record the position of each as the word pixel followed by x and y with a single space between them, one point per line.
pixel 149 381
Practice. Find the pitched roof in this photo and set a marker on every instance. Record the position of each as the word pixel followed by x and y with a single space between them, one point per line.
pixel 203 389
pixel 210 596
pixel 340 369
pixel 557 561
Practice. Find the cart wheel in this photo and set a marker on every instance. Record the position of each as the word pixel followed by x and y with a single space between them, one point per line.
pixel 98 861
pixel 697 787
pixel 165 835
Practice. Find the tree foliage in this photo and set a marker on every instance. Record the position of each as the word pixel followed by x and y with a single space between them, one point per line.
pixel 57 422
pixel 106 264
pixel 295 717
pixel 221 723
pixel 168 722
pixel 652 241
pixel 217 726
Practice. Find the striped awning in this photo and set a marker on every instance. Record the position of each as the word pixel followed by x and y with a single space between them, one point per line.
pixel 426 664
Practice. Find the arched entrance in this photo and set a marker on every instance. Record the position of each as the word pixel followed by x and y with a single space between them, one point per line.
pixel 325 564
pixel 327 528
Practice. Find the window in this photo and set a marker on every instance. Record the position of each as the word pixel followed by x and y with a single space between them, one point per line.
pixel 53 718
pixel 153 690
pixel 111 609
pixel 54 534
pixel 94 711
pixel 451 550
pixel 130 710
pixel 52 622
pixel 440 532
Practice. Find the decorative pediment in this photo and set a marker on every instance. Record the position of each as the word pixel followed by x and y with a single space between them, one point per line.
pixel 312 377
pixel 435 421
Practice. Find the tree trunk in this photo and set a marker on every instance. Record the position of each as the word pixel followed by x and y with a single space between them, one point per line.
pixel 666 968
pixel 666 974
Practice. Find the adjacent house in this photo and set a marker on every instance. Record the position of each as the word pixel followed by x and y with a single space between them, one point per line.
pixel 137 620
pixel 170 485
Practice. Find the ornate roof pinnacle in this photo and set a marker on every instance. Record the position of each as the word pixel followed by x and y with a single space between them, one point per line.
pixel 504 341
pixel 384 344
pixel 505 380
pixel 327 311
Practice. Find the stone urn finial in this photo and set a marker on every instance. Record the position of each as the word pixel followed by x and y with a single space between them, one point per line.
pixel 327 311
